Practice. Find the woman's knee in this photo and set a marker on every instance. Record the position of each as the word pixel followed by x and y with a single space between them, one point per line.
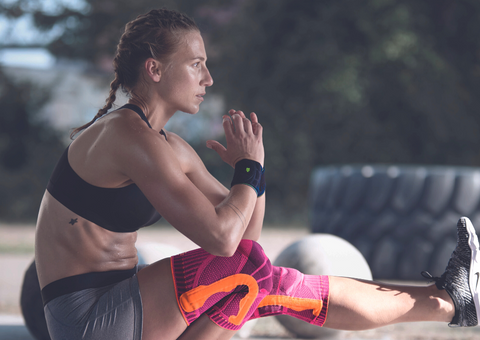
pixel 257 265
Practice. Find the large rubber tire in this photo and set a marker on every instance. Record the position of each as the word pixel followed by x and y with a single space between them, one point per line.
pixel 401 218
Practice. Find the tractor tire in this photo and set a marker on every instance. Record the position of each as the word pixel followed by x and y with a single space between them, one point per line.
pixel 401 218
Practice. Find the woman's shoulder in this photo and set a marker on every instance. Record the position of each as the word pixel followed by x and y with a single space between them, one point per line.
pixel 178 144
pixel 124 131
pixel 118 136
pixel 124 121
pixel 173 138
pixel 184 153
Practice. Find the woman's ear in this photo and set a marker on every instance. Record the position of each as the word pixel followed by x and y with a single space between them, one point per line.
pixel 153 69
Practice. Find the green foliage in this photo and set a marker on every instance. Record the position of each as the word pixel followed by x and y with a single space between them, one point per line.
pixel 353 82
pixel 333 81
pixel 28 149
pixel 91 33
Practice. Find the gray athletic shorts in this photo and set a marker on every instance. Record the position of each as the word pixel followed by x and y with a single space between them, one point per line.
pixel 110 312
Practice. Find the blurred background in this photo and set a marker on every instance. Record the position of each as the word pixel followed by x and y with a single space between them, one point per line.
pixel 333 82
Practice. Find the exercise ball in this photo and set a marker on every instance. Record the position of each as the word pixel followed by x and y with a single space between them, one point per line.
pixel 150 252
pixel 32 305
pixel 321 254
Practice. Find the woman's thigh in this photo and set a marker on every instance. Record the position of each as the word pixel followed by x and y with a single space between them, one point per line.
pixel 162 318
pixel 205 329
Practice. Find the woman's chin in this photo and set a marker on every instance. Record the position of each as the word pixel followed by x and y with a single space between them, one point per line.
pixel 192 111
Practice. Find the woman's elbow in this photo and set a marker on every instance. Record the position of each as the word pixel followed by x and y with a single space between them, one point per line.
pixel 224 247
pixel 253 235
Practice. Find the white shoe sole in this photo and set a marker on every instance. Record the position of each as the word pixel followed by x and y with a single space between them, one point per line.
pixel 474 274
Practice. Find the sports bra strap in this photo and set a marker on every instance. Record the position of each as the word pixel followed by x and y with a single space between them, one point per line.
pixel 139 111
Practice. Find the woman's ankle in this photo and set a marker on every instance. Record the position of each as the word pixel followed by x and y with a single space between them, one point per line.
pixel 443 303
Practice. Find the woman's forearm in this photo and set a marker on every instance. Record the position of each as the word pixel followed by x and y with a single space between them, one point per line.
pixel 254 228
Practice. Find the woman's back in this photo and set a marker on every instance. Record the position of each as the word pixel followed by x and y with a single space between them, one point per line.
pixel 69 243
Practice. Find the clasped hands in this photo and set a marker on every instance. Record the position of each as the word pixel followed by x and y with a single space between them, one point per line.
pixel 244 139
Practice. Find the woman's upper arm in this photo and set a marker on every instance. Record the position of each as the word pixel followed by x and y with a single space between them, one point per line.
pixel 196 171
pixel 213 189
pixel 158 171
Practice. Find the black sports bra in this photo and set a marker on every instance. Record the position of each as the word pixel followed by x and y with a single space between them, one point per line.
pixel 116 209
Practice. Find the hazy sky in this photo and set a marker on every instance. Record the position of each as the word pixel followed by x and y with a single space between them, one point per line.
pixel 22 32
pixel 37 58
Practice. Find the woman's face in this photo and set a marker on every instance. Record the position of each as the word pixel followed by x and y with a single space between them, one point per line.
pixel 184 79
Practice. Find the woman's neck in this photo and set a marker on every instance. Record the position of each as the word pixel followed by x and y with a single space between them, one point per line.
pixel 156 114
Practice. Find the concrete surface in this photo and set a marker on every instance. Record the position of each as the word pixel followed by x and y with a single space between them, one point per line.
pixel 16 253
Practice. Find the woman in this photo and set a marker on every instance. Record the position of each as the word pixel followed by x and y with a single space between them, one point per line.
pixel 124 171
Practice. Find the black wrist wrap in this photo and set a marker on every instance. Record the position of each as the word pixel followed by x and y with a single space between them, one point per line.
pixel 263 184
pixel 250 173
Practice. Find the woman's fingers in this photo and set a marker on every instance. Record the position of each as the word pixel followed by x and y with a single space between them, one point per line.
pixel 233 112
pixel 227 126
pixel 253 117
pixel 216 146
pixel 247 124
pixel 243 138
pixel 255 123
pixel 240 122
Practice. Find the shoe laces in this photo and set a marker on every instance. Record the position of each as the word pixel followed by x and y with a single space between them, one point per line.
pixel 440 282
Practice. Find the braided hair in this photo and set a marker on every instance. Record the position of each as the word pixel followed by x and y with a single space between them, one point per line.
pixel 156 34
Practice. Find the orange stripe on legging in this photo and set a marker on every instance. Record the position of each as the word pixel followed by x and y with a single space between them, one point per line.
pixel 196 298
pixel 297 304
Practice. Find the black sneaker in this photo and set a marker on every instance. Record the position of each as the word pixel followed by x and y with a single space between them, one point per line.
pixel 462 276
